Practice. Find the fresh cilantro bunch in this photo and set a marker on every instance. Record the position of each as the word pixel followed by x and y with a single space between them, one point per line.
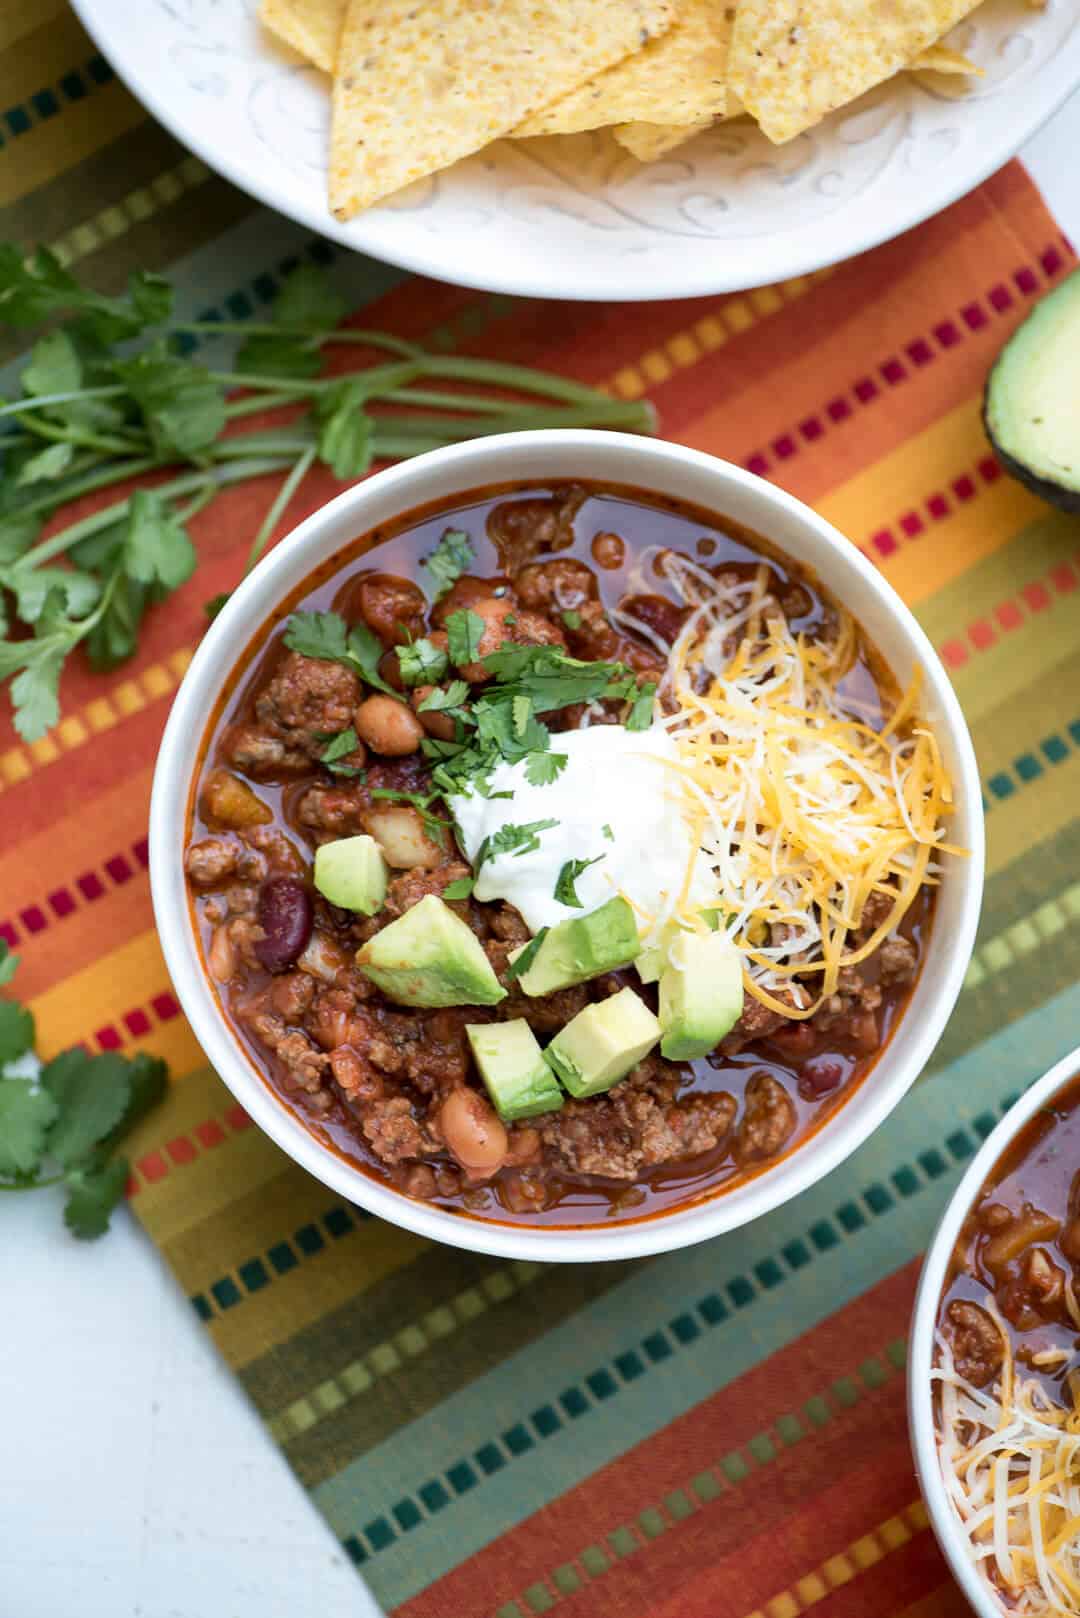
pixel 60 1123
pixel 111 393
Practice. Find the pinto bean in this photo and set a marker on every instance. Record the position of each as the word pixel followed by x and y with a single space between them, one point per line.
pixel 286 915
pixel 394 608
pixel 388 727
pixel 221 957
pixel 608 550
pixel 473 1133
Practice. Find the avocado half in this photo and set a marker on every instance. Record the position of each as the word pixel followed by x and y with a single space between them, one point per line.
pixel 1031 407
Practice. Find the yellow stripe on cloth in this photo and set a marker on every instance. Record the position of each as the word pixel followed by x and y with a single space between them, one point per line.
pixel 59 144
pixel 922 466
pixel 126 979
pixel 845 1565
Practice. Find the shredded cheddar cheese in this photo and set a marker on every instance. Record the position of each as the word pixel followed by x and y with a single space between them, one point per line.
pixel 807 806
pixel 1010 1460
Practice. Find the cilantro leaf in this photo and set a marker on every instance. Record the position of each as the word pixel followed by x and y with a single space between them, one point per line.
pixel 157 549
pixel 443 698
pixel 459 889
pixel 327 635
pixel 549 677
pixel 340 747
pixel 181 404
pixel 92 1194
pixel 54 365
pixel 308 300
pixel 452 556
pixel 608 833
pixel 464 631
pixel 521 713
pixel 543 768
pixel 571 619
pixel 346 441
pixel 511 839
pixel 522 962
pixel 35 691
pixel 25 1116
pixel 92 1094
pixel 33 289
pixel 76 591
pixel 281 357
pixel 148 1080
pixel 9 963
pixel 640 716
pixel 565 891
pixel 46 466
pixel 17 534
pixel 422 663
pixel 17 1031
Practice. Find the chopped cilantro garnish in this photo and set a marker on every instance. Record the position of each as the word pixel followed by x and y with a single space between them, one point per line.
pixel 572 620
pixel 459 889
pixel 527 956
pixel 510 839
pixel 422 663
pixel 341 745
pixel 543 768
pixel 464 630
pixel 608 833
pixel 452 557
pixel 640 716
pixel 565 891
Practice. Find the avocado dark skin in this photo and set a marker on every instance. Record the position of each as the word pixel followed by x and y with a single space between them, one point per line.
pixel 1044 341
pixel 1055 494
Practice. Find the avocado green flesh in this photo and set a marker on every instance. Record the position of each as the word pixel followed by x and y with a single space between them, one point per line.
pixel 1032 404
pixel 602 1044
pixel 582 948
pixel 351 873
pixel 429 957
pixel 701 995
pixel 512 1066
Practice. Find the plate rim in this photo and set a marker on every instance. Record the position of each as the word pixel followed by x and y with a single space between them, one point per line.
pixel 1035 111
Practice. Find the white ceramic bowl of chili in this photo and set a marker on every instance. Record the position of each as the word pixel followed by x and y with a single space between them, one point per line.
pixel 947 1528
pixel 699 480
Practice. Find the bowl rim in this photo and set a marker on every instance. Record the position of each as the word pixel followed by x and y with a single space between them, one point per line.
pixel 923 1432
pixel 211 666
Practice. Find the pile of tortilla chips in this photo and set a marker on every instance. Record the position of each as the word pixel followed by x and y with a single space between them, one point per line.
pixel 418 84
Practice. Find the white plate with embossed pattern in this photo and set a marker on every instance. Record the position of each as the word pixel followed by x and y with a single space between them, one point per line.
pixel 574 216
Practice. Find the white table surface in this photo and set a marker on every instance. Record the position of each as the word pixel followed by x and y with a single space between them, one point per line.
pixel 137 1481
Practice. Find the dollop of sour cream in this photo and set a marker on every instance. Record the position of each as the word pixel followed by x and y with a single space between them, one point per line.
pixel 616 798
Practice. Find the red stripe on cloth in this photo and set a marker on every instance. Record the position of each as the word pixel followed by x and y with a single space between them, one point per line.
pixel 693 1443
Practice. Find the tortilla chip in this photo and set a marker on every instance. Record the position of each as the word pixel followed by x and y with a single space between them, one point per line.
pixel 794 61
pixel 419 87
pixel 647 142
pixel 678 79
pixel 312 27
pixel 940 59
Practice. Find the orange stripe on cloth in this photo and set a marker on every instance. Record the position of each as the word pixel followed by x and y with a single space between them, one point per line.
pixel 694 1444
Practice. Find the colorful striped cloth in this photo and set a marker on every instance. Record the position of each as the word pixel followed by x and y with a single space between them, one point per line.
pixel 719 1433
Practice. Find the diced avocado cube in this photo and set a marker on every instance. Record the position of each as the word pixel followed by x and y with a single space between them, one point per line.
pixel 429 957
pixel 650 963
pixel 701 994
pixel 351 872
pixel 582 948
pixel 512 1066
pixel 601 1044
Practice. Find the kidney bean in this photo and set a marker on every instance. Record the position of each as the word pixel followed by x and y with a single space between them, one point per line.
pixel 821 1076
pixel 285 914
pixel 657 613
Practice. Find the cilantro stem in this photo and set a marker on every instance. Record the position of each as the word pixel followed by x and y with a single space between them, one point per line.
pixel 189 483
pixel 244 328
pixel 34 1185
pixel 62 493
pixel 280 501
pixel 79 435
pixel 38 401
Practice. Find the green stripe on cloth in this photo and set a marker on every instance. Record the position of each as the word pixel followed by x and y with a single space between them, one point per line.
pixel 552 1414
